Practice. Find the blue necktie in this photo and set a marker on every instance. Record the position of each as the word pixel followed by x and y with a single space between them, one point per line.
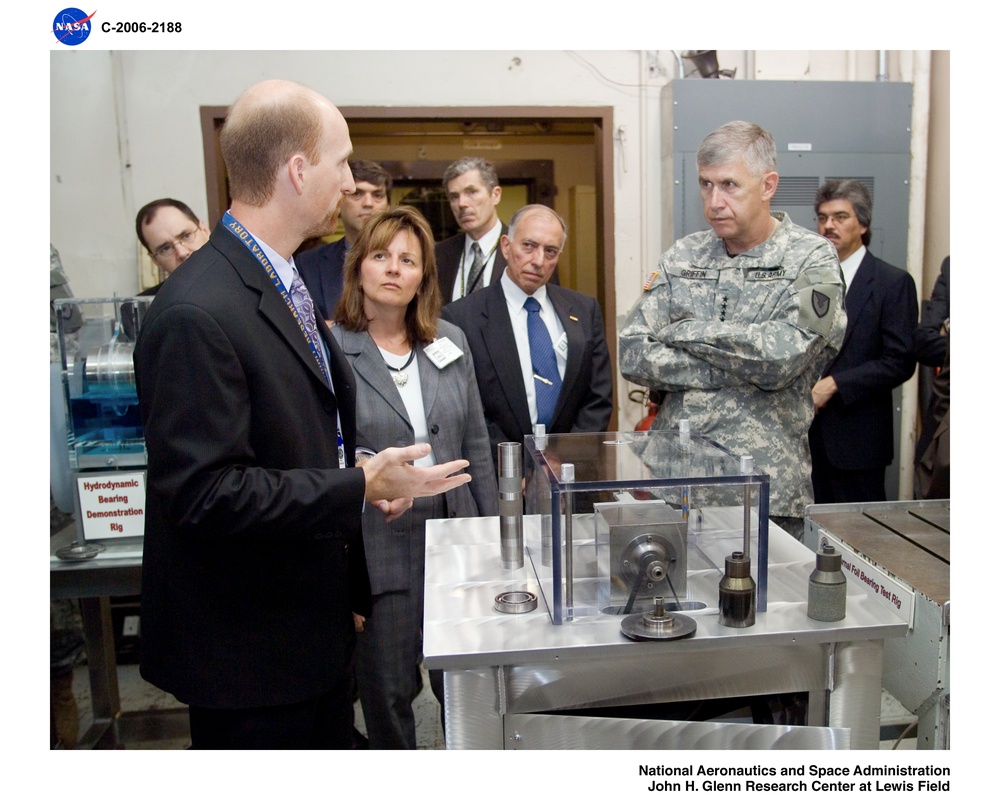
pixel 543 364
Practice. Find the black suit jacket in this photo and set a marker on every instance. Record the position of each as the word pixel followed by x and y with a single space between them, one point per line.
pixel 585 400
pixel 448 256
pixel 253 557
pixel 877 355
pixel 931 345
pixel 322 271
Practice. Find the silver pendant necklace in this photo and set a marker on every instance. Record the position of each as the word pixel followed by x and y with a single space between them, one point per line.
pixel 400 377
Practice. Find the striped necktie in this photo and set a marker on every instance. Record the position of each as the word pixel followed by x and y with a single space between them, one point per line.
pixel 478 267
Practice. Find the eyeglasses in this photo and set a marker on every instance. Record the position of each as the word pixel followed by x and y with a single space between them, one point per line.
pixel 186 239
pixel 840 218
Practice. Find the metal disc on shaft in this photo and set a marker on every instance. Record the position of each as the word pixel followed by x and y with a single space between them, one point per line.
pixel 79 552
pixel 656 625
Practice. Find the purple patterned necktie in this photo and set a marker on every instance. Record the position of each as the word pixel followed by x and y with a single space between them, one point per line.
pixel 304 305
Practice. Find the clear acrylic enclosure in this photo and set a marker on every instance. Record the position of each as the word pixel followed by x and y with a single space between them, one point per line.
pixel 613 520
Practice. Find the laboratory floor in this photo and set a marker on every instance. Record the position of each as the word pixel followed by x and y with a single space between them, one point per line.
pixel 153 720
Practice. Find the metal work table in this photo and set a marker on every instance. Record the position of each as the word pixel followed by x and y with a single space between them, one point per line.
pixel 115 572
pixel 905 548
pixel 501 670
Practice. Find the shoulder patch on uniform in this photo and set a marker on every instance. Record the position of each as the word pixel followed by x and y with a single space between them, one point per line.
pixel 649 280
pixel 820 303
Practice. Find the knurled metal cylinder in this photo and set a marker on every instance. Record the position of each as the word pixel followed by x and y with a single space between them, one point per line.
pixel 827 587
pixel 509 472
pixel 737 593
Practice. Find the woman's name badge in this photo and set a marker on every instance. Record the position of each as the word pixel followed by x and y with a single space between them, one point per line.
pixel 442 352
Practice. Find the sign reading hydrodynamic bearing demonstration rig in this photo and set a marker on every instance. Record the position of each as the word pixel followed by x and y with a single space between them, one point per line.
pixel 112 505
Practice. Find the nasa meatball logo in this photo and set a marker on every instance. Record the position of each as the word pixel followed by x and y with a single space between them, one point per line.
pixel 72 26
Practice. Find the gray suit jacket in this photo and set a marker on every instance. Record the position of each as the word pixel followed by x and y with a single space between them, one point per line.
pixel 456 428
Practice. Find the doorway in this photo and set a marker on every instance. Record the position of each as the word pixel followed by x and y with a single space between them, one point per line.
pixel 560 156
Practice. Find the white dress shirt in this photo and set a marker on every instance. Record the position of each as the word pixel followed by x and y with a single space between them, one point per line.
pixel 287 271
pixel 515 297
pixel 413 400
pixel 489 244
pixel 849 266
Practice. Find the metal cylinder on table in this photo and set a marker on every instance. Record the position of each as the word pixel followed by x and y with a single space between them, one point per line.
pixel 737 593
pixel 827 587
pixel 509 472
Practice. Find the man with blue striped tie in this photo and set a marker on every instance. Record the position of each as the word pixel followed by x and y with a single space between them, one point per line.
pixel 539 348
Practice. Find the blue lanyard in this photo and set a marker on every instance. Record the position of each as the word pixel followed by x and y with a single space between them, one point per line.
pixel 257 251
pixel 241 233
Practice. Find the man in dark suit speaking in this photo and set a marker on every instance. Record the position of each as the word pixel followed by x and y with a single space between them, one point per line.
pixel 253 558
pixel 539 349
pixel 851 439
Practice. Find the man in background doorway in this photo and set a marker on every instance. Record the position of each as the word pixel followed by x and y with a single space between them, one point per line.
pixel 322 268
pixel 170 231
pixel 931 342
pixel 471 259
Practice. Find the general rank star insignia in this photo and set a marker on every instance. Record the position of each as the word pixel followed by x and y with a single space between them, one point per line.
pixel 820 303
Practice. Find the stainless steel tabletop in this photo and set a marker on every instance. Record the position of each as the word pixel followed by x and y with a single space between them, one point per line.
pixel 463 631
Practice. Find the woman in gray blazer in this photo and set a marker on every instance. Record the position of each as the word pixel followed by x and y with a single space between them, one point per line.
pixel 415 383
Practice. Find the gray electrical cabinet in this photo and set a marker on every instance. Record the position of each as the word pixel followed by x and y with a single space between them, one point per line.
pixel 823 130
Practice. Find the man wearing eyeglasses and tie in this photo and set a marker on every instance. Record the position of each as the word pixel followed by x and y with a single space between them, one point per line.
pixel 170 231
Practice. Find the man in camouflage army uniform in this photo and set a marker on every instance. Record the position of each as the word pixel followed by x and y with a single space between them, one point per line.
pixel 736 323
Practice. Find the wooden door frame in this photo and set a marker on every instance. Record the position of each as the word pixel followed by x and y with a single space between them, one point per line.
pixel 601 117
